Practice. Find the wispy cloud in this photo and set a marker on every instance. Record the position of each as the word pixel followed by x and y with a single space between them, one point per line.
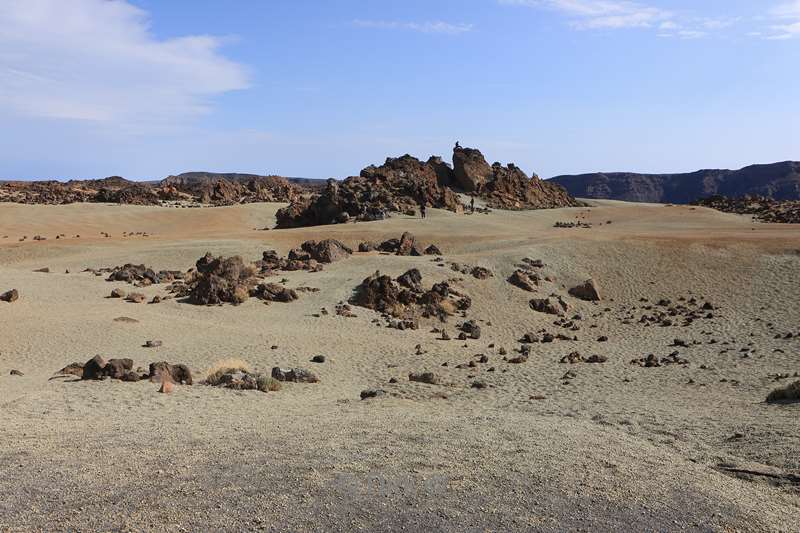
pixel 786 21
pixel 622 14
pixel 596 14
pixel 446 28
pixel 97 60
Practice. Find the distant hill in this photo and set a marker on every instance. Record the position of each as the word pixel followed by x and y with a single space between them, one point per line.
pixel 196 178
pixel 779 181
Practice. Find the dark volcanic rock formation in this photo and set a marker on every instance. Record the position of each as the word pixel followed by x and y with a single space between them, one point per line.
pixel 779 181
pixel 401 184
pixel 762 209
pixel 398 185
pixel 214 189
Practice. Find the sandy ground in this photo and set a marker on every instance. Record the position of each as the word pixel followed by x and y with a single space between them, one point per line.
pixel 619 447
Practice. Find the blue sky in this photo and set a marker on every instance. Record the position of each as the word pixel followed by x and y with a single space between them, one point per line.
pixel 147 88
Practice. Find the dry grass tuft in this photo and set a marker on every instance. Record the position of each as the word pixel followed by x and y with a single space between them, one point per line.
pixel 225 366
pixel 268 383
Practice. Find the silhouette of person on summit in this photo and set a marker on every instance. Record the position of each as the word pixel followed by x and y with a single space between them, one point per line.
pixel 458 146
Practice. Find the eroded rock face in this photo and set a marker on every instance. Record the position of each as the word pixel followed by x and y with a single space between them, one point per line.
pixel 506 187
pixel 471 172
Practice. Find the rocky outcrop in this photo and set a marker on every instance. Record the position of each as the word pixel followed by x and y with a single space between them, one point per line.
pixel 398 185
pixel 401 184
pixel 760 208
pixel 213 189
pixel 406 299
pixel 220 279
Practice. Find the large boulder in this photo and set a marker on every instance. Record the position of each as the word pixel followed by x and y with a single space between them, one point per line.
pixel 220 279
pixel 587 290
pixel 118 368
pixel 163 371
pixel 470 169
pixel 94 368
pixel 326 251
pixel 407 245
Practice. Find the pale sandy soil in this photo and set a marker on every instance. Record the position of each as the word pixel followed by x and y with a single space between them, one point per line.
pixel 620 448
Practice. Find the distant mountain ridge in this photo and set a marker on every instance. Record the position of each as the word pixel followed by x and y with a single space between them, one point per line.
pixel 201 177
pixel 779 181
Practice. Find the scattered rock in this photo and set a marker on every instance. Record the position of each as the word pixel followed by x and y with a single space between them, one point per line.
pixel 118 293
pixel 10 296
pixel 298 375
pixel 424 377
pixel 372 393
pixel 528 281
pixel 136 297
pixel 552 305
pixel 274 292
pixel 153 344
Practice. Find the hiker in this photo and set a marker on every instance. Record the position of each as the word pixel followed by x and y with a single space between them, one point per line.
pixel 422 209
pixel 472 204
pixel 458 146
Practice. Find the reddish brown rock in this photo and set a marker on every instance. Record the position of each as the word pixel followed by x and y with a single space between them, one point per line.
pixel 164 371
pixel 587 290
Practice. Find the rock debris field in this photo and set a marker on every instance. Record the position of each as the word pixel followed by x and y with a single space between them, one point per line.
pixel 494 371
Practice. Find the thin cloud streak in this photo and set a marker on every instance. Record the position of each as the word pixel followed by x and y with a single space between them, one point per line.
pixel 440 27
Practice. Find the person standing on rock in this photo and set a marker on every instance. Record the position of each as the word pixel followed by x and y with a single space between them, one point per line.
pixel 422 209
